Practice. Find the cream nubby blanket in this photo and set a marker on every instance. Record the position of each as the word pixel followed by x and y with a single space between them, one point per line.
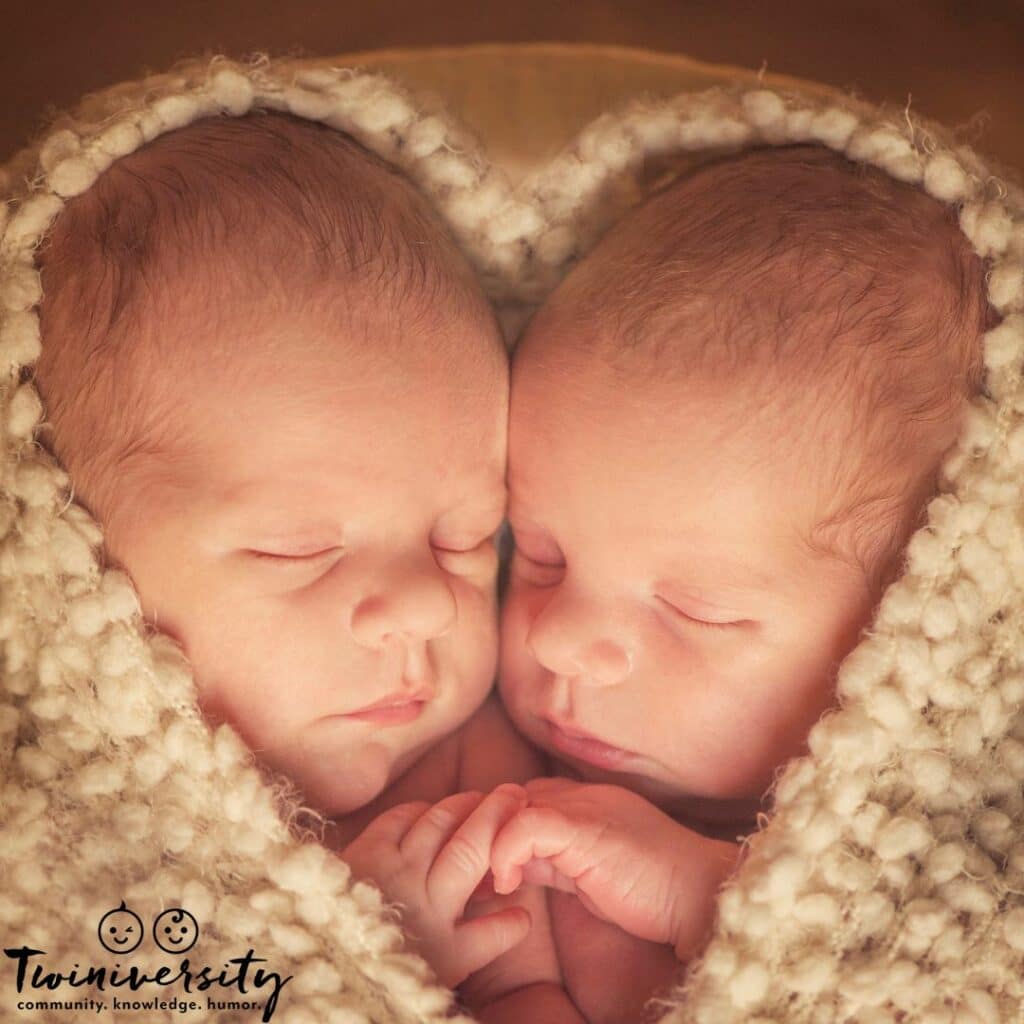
pixel 889 884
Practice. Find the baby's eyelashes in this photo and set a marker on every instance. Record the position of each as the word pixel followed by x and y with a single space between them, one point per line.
pixel 301 557
pixel 471 561
pixel 293 570
pixel 705 620
pixel 539 574
pixel 479 557
pixel 537 559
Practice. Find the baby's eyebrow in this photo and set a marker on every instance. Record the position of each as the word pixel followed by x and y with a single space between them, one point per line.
pixel 495 514
pixel 708 574
pixel 708 591
pixel 273 519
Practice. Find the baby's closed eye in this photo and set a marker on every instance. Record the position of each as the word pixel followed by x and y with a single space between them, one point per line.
pixel 467 556
pixel 464 539
pixel 294 556
pixel 536 557
pixel 535 571
pixel 702 616
pixel 291 566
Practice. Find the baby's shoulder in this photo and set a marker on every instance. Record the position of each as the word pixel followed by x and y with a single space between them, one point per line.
pixel 492 752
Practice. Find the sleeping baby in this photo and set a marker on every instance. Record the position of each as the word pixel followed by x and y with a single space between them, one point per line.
pixel 725 425
pixel 276 383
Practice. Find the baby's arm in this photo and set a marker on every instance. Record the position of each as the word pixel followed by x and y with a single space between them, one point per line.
pixel 524 984
pixel 629 863
pixel 430 859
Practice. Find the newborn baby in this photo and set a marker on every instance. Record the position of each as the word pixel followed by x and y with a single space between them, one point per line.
pixel 724 427
pixel 275 381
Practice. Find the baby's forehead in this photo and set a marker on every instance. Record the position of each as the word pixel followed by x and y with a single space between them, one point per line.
pixel 345 427
pixel 790 444
pixel 304 371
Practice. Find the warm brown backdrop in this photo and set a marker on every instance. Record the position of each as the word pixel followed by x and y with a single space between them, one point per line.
pixel 958 60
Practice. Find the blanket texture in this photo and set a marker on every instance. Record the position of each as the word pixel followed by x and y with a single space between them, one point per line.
pixel 888 885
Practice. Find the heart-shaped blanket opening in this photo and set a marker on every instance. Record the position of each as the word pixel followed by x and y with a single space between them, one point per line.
pixel 887 885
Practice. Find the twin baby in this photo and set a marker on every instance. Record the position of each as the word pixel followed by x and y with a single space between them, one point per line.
pixel 276 382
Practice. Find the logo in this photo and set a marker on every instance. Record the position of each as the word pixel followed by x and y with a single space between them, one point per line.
pixel 175 931
pixel 120 931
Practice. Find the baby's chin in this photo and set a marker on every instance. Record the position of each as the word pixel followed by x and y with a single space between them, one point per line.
pixel 592 761
pixel 344 781
pixel 659 793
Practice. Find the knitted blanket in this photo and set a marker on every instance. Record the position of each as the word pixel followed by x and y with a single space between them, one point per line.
pixel 889 883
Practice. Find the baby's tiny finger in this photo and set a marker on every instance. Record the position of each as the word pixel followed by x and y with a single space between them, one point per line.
pixel 543 873
pixel 466 857
pixel 485 938
pixel 391 825
pixel 546 786
pixel 535 833
pixel 435 826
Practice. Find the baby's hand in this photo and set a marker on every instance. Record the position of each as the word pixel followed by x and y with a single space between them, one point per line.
pixel 430 859
pixel 629 863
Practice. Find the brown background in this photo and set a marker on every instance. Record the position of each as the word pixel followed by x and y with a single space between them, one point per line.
pixel 958 60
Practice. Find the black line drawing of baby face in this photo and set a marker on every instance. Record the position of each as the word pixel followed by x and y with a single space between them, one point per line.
pixel 120 930
pixel 175 930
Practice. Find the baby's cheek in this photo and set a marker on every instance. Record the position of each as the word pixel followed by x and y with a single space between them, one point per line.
pixel 518 667
pixel 475 639
pixel 524 604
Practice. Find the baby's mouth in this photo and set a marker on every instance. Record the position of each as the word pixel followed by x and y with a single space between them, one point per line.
pixel 579 744
pixel 394 709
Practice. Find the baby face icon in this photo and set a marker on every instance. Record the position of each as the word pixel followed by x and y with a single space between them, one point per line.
pixel 120 930
pixel 175 930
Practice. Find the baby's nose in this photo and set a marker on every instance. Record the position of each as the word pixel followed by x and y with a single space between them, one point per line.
pixel 599 663
pixel 419 607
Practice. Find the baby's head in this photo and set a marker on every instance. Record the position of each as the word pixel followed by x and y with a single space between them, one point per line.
pixel 724 426
pixel 274 380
